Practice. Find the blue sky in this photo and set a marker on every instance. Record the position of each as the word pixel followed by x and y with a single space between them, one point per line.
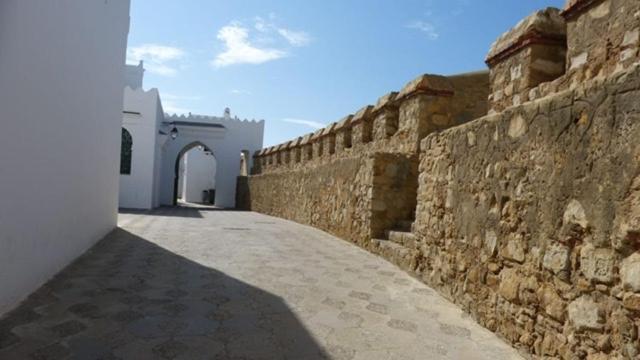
pixel 301 64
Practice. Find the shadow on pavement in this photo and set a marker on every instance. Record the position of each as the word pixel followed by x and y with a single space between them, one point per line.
pixel 128 298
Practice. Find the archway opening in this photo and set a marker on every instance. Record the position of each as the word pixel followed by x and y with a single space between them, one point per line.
pixel 195 174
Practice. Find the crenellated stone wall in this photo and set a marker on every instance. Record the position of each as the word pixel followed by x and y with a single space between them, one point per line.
pixel 395 124
pixel 528 217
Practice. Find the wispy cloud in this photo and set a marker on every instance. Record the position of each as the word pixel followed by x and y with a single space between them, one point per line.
pixel 174 104
pixel 309 123
pixel 426 27
pixel 240 92
pixel 239 49
pixel 173 108
pixel 263 42
pixel 159 59
pixel 295 38
pixel 168 96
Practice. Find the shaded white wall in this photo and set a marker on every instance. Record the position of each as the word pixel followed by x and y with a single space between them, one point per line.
pixel 199 174
pixel 61 81
pixel 138 190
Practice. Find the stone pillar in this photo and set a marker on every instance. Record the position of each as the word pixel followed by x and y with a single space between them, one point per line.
pixel 362 126
pixel 343 134
pixel 532 53
pixel 328 139
pixel 257 163
pixel 424 106
pixel 385 117
pixel 294 150
pixel 286 154
pixel 318 148
pixel 307 147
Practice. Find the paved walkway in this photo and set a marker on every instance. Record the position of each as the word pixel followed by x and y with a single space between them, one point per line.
pixel 208 284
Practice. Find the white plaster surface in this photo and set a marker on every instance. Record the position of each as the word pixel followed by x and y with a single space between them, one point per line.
pixel 137 190
pixel 61 80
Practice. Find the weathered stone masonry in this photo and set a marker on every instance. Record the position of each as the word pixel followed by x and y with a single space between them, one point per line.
pixel 528 217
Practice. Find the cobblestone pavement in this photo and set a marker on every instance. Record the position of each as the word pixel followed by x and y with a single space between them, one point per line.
pixel 185 283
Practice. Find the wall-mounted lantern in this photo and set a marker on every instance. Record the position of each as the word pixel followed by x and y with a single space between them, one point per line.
pixel 173 133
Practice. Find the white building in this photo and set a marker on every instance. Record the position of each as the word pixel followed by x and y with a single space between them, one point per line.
pixel 61 79
pixel 154 145
pixel 142 136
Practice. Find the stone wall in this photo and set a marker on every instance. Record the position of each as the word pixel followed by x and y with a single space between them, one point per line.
pixel 529 217
pixel 355 198
pixel 529 220
pixel 603 37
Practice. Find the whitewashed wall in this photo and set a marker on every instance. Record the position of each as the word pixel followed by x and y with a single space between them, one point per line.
pixel 61 81
pixel 226 145
pixel 137 190
pixel 199 175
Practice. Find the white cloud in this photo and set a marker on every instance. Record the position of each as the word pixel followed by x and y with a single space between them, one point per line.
pixel 173 104
pixel 168 96
pixel 159 59
pixel 426 27
pixel 309 123
pixel 240 92
pixel 295 38
pixel 239 49
pixel 263 42
pixel 172 108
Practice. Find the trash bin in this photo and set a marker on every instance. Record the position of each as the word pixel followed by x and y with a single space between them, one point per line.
pixel 212 196
pixel 205 196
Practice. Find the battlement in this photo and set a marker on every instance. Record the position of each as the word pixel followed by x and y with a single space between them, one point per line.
pixel 554 50
pixel 396 123
pixel 227 122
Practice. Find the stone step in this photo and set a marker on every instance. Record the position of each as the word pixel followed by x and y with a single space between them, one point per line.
pixel 405 225
pixel 396 253
pixel 404 238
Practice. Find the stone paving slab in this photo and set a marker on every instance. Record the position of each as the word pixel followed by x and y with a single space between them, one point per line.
pixel 185 283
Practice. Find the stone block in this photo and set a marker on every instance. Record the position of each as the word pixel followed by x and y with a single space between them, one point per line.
pixel 575 214
pixel 630 272
pixel 509 285
pixel 631 302
pixel 556 258
pixel 430 84
pixel 545 23
pixel 387 100
pixel 597 264
pixel 490 242
pixel 517 126
pixel 552 303
pixel 585 314
pixel 515 249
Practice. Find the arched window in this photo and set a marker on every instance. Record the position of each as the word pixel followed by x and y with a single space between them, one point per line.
pixel 125 152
